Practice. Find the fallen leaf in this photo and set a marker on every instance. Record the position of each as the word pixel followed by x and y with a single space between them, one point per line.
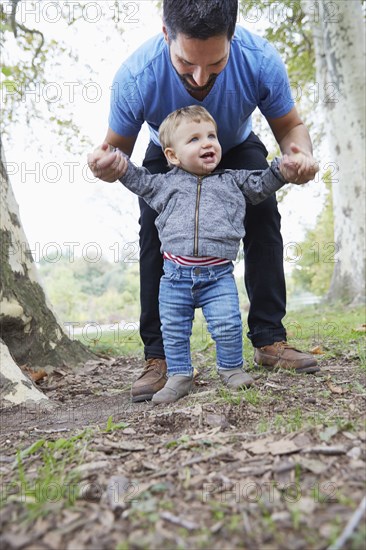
pixel 361 328
pixel 106 518
pixel 217 527
pixel 129 446
pixel 280 447
pixel 336 389
pixel 187 524
pixel 52 540
pixel 38 375
pixel 150 465
pixel 85 470
pixel 328 433
pixel 311 464
pixel 281 516
pixel 14 541
pixel 35 375
pixel 355 452
pixel 129 431
pixel 357 464
pixel 118 489
pixel 301 440
pixel 283 471
pixel 317 350
pixel 217 420
pixel 306 505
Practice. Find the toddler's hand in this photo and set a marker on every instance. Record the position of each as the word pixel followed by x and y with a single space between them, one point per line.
pixel 299 166
pixel 107 165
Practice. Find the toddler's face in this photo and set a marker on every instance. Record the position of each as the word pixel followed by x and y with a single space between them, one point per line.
pixel 195 147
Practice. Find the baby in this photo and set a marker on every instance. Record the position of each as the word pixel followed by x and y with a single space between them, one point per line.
pixel 200 222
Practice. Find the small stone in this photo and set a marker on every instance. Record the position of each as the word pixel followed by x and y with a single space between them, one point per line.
pixel 355 452
pixel 357 464
pixel 306 505
pixel 129 431
pixel 281 516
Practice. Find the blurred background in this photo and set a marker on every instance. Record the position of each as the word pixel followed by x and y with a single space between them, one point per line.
pixel 55 90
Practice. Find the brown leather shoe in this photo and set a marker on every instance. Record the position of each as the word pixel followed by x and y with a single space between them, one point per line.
pixel 151 380
pixel 282 355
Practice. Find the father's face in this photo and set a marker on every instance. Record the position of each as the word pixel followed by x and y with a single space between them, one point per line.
pixel 198 61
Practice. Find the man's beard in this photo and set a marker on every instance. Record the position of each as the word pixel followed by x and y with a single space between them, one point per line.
pixel 191 88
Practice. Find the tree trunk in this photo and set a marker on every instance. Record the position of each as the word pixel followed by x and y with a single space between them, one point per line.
pixel 30 333
pixel 339 39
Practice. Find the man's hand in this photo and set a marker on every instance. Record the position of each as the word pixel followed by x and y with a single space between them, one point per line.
pixel 107 165
pixel 299 166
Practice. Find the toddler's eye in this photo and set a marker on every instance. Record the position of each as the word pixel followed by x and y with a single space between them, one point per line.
pixel 193 139
pixel 212 136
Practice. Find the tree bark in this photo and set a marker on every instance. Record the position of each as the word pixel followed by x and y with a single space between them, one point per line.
pixel 29 329
pixel 339 39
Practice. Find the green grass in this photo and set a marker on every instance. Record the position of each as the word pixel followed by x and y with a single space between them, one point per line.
pixel 111 426
pixel 53 484
pixel 331 328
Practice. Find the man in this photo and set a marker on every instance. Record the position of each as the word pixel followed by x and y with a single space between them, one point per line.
pixel 201 58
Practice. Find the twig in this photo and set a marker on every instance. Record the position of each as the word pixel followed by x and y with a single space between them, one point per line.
pixel 51 431
pixel 189 463
pixel 335 450
pixel 350 527
pixel 187 524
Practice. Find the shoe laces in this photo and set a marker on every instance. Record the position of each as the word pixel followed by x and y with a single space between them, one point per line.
pixel 283 345
pixel 152 364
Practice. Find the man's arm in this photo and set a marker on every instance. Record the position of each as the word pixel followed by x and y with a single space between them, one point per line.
pixel 104 162
pixel 294 140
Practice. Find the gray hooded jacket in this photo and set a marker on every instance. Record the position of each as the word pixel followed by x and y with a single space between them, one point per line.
pixel 202 215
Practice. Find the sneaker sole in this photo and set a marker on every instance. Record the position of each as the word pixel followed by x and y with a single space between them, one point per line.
pixel 300 370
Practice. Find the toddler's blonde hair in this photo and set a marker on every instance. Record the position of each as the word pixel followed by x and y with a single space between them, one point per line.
pixel 194 113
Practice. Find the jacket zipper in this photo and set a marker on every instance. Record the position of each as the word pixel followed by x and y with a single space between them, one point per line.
pixel 198 196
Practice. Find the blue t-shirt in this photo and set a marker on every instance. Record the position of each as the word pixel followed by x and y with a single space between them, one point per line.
pixel 147 88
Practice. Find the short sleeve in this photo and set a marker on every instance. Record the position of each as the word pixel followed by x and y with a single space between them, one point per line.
pixel 275 97
pixel 126 114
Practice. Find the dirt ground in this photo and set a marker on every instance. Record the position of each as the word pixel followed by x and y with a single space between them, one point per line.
pixel 281 466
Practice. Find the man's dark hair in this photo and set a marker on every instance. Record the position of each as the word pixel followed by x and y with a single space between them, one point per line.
pixel 200 19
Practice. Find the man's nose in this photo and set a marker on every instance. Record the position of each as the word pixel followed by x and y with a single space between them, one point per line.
pixel 201 76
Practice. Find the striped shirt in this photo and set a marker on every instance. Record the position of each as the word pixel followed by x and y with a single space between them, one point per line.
pixel 194 261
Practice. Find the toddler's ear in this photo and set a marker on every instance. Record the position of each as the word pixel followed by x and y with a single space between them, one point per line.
pixel 171 156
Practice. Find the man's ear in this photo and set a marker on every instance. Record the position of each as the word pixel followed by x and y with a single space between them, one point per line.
pixel 171 156
pixel 165 33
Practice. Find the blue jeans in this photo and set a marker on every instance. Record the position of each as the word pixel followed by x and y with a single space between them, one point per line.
pixel 213 288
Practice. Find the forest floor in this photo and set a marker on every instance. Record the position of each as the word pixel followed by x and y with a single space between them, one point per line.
pixel 279 466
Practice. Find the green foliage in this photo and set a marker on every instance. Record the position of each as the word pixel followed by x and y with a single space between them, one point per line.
pixel 313 271
pixel 83 291
pixel 111 426
pixel 28 59
pixel 287 27
pixel 53 484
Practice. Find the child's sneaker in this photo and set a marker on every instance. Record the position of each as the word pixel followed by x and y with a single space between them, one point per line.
pixel 235 378
pixel 177 386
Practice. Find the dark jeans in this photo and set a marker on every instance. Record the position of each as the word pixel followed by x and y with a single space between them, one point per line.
pixel 263 247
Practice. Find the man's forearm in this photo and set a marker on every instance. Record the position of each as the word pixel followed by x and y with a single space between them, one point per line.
pixel 299 135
